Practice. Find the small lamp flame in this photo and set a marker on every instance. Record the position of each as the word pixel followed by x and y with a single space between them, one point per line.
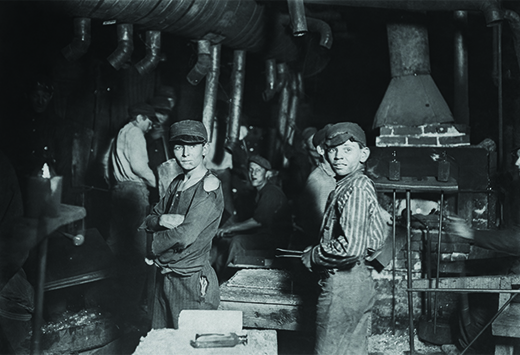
pixel 46 173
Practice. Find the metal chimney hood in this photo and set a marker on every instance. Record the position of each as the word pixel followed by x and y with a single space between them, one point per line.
pixel 412 98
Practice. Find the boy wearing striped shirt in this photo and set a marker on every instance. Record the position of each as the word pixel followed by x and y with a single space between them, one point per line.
pixel 352 230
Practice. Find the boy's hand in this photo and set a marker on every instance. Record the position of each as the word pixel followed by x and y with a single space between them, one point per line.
pixel 307 258
pixel 171 221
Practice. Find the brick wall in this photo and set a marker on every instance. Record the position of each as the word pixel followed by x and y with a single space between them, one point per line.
pixel 428 135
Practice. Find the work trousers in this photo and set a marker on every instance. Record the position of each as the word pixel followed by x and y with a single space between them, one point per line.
pixel 129 207
pixel 343 311
pixel 173 293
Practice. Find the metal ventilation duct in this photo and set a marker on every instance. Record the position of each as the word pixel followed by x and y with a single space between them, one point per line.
pixel 239 24
pixel 412 98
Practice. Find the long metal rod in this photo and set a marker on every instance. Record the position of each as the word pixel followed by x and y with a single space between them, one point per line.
pixel 438 271
pixel 38 299
pixel 210 95
pixel 393 261
pixel 409 269
pixel 472 290
pixel 498 39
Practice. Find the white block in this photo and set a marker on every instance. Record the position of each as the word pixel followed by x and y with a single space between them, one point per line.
pixel 214 321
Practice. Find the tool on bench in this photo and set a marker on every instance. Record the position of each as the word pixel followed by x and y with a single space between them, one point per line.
pixel 214 340
pixel 288 253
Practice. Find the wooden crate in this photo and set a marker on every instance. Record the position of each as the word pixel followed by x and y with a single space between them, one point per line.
pixel 266 298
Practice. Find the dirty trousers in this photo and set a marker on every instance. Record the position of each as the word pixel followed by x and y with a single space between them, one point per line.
pixel 174 293
pixel 343 312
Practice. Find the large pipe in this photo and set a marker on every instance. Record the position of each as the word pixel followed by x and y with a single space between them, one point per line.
pixel 210 96
pixel 461 96
pixel 237 83
pixel 514 23
pixel 490 8
pixel 152 58
pixel 203 65
pixel 79 45
pixel 298 19
pixel 125 46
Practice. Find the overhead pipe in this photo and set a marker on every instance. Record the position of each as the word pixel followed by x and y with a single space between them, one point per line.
pixel 81 42
pixel 282 76
pixel 210 95
pixel 153 55
pixel 203 65
pixel 461 92
pixel 323 29
pixel 491 10
pixel 513 19
pixel 270 78
pixel 514 23
pixel 298 19
pixel 315 25
pixel 283 113
pixel 237 84
pixel 299 84
pixel 125 46
pixel 293 110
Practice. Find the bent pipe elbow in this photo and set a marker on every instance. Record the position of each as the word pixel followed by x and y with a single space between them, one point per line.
pixel 323 29
pixel 125 47
pixel 152 58
pixel 81 42
pixel 203 65
pixel 492 12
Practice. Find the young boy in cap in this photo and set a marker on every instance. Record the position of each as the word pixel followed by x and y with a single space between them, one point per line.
pixel 270 224
pixel 184 223
pixel 352 229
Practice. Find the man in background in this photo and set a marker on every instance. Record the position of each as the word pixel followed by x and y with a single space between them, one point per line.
pixel 132 176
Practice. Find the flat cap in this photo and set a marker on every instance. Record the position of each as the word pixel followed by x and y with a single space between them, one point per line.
pixel 263 162
pixel 319 137
pixel 341 132
pixel 188 131
pixel 142 109
pixel 161 105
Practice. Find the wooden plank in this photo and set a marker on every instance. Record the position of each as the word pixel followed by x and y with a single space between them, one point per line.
pixel 506 325
pixel 490 282
pixel 261 278
pixel 267 316
pixel 258 296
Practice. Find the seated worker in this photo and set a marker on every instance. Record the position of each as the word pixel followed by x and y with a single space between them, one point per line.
pixel 270 225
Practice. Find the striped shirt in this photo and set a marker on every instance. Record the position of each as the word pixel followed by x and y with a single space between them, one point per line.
pixel 352 227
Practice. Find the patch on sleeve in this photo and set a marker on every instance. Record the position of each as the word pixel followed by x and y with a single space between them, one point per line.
pixel 211 183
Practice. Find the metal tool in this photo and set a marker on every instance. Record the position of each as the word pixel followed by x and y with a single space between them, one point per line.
pixel 288 253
